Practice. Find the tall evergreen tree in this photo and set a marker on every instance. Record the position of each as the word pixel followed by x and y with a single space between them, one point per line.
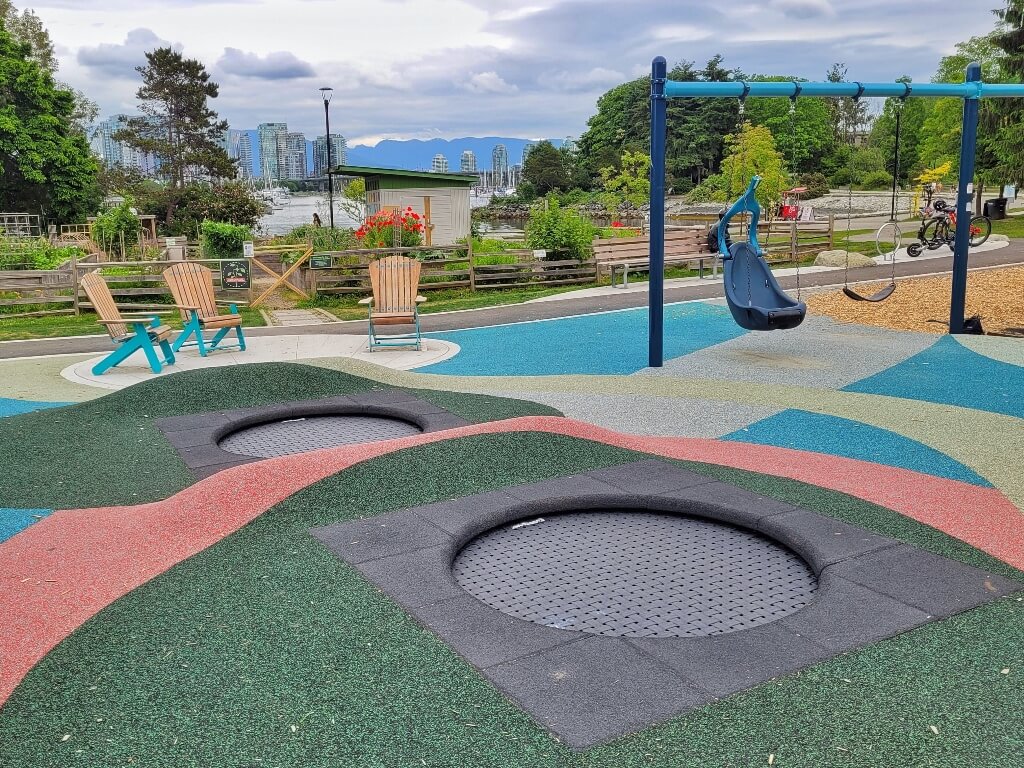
pixel 178 127
pixel 1003 122
pixel 46 167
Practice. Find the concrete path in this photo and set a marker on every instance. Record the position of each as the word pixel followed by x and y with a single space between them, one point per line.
pixel 277 349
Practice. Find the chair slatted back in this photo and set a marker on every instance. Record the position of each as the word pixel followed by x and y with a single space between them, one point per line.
pixel 396 281
pixel 102 301
pixel 192 286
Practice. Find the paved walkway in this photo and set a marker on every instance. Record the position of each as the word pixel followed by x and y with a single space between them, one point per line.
pixel 267 349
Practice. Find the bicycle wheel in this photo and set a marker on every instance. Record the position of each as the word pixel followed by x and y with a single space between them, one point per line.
pixel 981 228
pixel 888 239
pixel 914 250
pixel 933 234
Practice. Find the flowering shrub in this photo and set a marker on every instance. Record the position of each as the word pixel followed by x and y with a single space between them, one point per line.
pixel 378 231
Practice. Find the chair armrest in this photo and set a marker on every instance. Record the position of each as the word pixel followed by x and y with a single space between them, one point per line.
pixel 115 322
pixel 183 306
pixel 420 299
pixel 220 303
pixel 367 301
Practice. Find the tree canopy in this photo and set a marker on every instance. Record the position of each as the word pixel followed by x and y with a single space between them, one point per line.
pixel 45 164
pixel 178 127
pixel 544 168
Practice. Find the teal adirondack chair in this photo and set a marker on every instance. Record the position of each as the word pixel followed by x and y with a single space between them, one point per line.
pixel 192 287
pixel 147 331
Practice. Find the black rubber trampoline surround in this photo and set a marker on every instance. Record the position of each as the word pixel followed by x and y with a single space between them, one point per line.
pixel 210 442
pixel 463 567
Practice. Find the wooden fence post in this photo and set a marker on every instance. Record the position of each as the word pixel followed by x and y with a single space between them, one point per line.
pixel 74 284
pixel 831 230
pixel 469 255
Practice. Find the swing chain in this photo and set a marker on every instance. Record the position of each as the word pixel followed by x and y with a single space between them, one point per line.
pixel 792 164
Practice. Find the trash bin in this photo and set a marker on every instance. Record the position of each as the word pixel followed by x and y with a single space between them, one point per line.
pixel 996 208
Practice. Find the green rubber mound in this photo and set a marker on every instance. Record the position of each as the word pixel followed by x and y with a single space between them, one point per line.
pixel 108 452
pixel 266 650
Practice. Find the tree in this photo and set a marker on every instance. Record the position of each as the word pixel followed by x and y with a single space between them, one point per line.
pixel 630 183
pixel 178 127
pixel 752 151
pixel 543 168
pixel 26 27
pixel 806 138
pixel 45 163
pixel 232 203
pixel 883 134
pixel 1003 123
pixel 696 127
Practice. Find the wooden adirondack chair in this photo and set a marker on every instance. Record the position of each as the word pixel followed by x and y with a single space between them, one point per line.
pixel 192 287
pixel 145 330
pixel 395 280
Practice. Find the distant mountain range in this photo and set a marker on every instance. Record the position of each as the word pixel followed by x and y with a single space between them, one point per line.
pixel 415 154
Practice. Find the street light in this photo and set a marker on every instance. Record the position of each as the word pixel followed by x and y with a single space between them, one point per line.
pixel 326 93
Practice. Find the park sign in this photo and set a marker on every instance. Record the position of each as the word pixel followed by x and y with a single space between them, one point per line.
pixel 321 261
pixel 235 274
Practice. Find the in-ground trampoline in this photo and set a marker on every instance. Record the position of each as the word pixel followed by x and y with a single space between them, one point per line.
pixel 605 602
pixel 633 573
pixel 210 442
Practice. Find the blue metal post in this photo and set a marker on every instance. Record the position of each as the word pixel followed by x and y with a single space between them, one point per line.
pixel 656 292
pixel 968 143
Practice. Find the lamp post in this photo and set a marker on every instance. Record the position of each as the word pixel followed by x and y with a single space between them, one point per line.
pixel 326 93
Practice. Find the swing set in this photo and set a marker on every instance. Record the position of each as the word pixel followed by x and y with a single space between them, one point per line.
pixel 755 299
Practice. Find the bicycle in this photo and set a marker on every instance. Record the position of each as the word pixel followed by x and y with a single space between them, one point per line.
pixel 940 229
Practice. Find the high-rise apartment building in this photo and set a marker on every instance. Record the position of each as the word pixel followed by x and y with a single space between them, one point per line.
pixel 232 143
pixel 339 151
pixel 115 153
pixel 527 149
pixel 245 169
pixel 499 165
pixel 268 137
pixel 440 164
pixel 291 156
pixel 467 163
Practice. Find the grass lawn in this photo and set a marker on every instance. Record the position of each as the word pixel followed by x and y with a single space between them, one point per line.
pixel 268 649
pixel 52 326
pixel 108 452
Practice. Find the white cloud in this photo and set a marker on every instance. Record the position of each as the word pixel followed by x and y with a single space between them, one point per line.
pixel 489 82
pixel 804 8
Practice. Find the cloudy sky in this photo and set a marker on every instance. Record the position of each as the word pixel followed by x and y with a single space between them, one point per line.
pixel 448 68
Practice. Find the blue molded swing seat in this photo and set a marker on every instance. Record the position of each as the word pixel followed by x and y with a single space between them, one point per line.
pixel 755 299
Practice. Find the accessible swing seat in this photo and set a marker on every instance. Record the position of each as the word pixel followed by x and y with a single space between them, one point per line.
pixel 756 301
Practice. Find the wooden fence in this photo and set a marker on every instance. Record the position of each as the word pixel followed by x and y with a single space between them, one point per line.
pixel 135 285
pixel 452 266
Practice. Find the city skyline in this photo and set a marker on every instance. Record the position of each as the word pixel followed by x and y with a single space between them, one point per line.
pixel 261 149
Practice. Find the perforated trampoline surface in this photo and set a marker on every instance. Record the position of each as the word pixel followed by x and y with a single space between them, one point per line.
pixel 634 574
pixel 282 438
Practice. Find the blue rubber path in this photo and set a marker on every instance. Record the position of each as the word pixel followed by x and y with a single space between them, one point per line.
pixel 11 407
pixel 951 374
pixel 605 343
pixel 14 520
pixel 817 432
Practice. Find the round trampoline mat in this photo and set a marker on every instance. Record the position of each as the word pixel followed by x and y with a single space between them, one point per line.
pixel 634 574
pixel 289 436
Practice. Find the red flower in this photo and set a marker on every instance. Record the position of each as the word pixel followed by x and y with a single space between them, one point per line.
pixel 617 224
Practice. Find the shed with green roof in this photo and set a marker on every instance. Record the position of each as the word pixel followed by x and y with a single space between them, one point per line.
pixel 442 199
